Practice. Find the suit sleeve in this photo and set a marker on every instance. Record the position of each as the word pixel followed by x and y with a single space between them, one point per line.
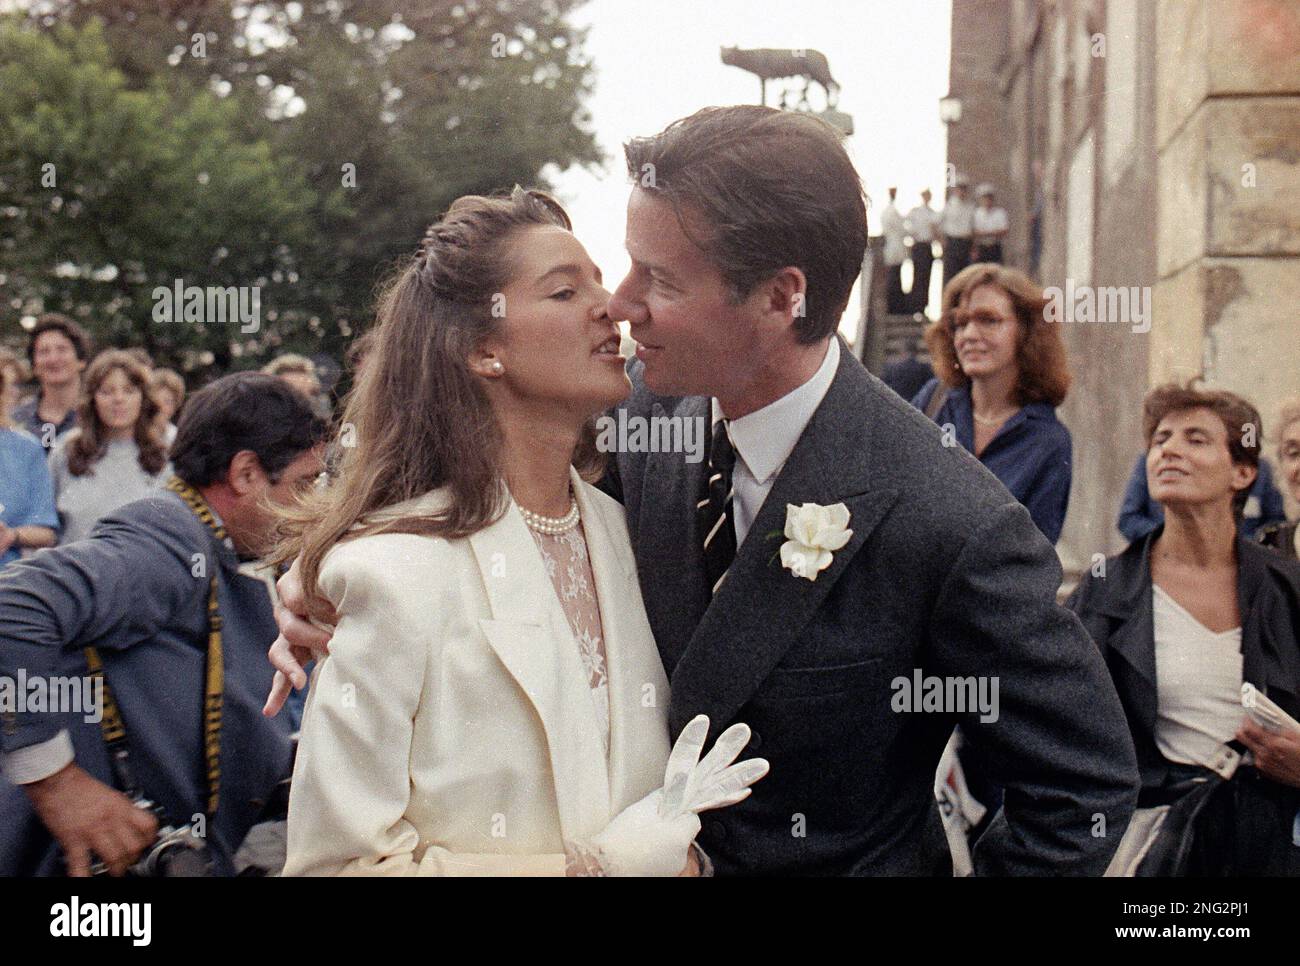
pixel 352 781
pixel 1057 741
pixel 112 590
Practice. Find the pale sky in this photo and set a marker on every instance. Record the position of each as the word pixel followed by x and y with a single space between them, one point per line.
pixel 656 62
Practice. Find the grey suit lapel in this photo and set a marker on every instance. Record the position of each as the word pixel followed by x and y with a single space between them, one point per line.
pixel 761 607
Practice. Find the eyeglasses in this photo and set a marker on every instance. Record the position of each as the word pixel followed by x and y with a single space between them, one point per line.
pixel 958 319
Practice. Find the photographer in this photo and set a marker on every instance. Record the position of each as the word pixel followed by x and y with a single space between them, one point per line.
pixel 156 602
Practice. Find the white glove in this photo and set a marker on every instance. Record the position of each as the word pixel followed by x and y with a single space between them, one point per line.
pixel 651 837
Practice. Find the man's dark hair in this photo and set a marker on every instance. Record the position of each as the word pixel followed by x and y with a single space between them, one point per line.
pixel 82 344
pixel 775 188
pixel 243 411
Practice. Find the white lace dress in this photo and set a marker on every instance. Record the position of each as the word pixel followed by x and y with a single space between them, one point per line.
pixel 569 567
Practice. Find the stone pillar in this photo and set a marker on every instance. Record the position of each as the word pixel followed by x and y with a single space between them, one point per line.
pixel 1227 296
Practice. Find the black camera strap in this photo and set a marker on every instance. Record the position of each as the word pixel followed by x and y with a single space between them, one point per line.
pixel 111 724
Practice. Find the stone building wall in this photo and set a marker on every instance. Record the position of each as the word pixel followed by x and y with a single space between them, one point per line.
pixel 1164 136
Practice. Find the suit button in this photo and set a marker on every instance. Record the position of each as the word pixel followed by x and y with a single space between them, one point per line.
pixel 717 830
pixel 755 741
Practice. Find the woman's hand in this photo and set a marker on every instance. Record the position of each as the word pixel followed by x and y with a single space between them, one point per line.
pixel 648 837
pixel 300 641
pixel 1277 755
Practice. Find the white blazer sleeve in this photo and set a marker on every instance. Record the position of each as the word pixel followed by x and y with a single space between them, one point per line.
pixel 352 782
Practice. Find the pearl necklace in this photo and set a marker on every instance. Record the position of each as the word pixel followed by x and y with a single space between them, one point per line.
pixel 552 526
pixel 997 421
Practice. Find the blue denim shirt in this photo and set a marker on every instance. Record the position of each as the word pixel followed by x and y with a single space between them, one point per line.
pixel 26 492
pixel 1030 455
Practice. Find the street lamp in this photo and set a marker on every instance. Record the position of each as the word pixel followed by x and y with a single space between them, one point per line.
pixel 950 109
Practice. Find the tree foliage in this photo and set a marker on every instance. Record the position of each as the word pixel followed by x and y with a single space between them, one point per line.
pixel 300 147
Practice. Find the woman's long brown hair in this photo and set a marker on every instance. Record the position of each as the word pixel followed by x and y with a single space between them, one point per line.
pixel 90 443
pixel 418 419
pixel 1044 372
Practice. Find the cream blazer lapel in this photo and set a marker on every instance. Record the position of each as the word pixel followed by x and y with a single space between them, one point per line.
pixel 530 634
pixel 638 687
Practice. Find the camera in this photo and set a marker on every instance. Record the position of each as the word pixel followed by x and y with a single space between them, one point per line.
pixel 176 851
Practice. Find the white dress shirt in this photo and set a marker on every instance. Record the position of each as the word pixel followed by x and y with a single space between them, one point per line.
pixel 957 218
pixel 894 230
pixel 986 221
pixel 922 222
pixel 764 439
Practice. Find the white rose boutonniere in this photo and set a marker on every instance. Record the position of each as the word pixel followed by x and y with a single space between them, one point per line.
pixel 813 533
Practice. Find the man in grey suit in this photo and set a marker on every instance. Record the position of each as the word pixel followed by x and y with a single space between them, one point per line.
pixel 851 655
pixel 746 230
pixel 139 593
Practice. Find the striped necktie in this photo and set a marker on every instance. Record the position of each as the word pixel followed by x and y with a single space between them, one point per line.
pixel 715 510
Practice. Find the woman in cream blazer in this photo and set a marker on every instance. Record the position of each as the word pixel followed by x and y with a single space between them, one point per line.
pixel 451 730
pixel 492 700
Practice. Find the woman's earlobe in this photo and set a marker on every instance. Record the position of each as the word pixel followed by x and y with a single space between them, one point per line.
pixel 488 367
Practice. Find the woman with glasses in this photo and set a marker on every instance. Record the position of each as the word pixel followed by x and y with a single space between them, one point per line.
pixel 1001 373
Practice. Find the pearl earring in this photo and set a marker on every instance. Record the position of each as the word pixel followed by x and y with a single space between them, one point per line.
pixel 497 367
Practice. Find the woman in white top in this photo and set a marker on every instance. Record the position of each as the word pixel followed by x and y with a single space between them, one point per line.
pixel 492 701
pixel 1186 616
pixel 114 456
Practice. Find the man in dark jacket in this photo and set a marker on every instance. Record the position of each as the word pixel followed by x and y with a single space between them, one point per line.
pixel 138 597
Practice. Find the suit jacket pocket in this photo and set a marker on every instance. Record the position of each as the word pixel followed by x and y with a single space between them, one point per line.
pixel 786 683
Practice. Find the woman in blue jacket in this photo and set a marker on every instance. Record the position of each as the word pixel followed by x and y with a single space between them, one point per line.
pixel 1001 373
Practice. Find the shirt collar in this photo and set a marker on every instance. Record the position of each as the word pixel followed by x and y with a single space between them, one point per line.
pixel 765 438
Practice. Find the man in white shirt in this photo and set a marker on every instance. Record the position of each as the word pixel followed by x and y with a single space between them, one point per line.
pixel 923 224
pixel 956 224
pixel 764 439
pixel 989 225
pixel 894 228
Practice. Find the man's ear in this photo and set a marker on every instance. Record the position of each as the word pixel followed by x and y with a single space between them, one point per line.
pixel 784 296
pixel 245 473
